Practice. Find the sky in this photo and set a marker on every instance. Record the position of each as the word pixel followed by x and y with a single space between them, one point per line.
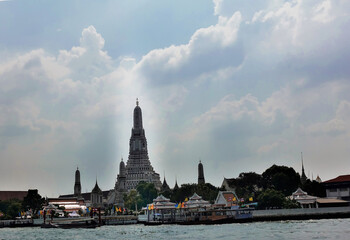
pixel 239 85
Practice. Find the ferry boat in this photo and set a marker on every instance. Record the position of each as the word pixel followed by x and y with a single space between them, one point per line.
pixel 72 223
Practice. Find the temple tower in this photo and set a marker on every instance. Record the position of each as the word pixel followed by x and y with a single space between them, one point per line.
pixel 77 185
pixel 200 173
pixel 96 196
pixel 138 167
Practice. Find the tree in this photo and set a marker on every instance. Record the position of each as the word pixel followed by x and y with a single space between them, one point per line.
pixel 271 198
pixel 14 208
pixel 132 199
pixel 281 178
pixel 147 192
pixel 206 191
pixel 248 184
pixel 314 188
pixel 33 201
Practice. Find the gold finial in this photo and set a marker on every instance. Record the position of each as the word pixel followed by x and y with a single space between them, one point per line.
pixel 137 101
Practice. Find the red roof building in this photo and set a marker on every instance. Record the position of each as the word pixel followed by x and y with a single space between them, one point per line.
pixel 10 195
pixel 338 187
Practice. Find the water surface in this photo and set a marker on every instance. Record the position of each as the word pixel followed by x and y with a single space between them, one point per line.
pixel 310 229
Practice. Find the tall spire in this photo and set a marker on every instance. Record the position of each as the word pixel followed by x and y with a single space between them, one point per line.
pixel 303 176
pixel 200 173
pixel 77 185
pixel 165 186
pixel 137 128
pixel 176 186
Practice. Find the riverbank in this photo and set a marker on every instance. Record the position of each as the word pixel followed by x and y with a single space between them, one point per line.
pixel 258 216
pixel 301 214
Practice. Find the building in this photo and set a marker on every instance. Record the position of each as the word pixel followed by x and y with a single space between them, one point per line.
pixel 226 199
pixel 165 186
pixel 303 199
pixel 197 201
pixel 338 187
pixel 138 167
pixel 12 195
pixel 96 196
pixel 77 185
pixel 201 179
pixel 318 179
pixel 307 201
pixel 176 187
pixel 229 184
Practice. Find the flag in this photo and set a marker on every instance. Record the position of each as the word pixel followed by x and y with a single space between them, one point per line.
pixel 152 206
pixel 186 199
pixel 120 209
pixel 234 199
pixel 179 205
pixel 149 206
pixel 176 205
pixel 183 205
pixel 251 199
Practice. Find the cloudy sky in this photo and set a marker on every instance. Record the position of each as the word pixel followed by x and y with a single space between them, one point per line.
pixel 240 85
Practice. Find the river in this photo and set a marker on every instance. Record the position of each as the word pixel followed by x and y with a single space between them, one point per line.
pixel 310 229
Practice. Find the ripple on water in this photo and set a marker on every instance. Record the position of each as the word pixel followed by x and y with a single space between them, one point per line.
pixel 310 229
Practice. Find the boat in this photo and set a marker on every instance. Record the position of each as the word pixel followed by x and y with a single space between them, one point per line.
pixel 218 216
pixel 72 223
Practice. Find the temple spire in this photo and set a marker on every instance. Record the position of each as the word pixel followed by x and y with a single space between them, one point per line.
pixel 137 101
pixel 77 185
pixel 303 176
pixel 200 173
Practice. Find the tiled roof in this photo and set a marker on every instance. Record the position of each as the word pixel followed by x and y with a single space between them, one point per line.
pixel 341 178
pixel 8 195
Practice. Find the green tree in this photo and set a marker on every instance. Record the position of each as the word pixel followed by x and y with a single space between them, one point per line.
pixel 314 188
pixel 133 199
pixel 14 208
pixel 281 178
pixel 33 201
pixel 248 184
pixel 271 198
pixel 147 192
pixel 206 191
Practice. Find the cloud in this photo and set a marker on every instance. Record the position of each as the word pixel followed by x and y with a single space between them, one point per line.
pixel 183 62
pixel 266 80
pixel 87 60
pixel 337 125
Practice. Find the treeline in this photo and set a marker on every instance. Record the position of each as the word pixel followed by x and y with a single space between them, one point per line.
pixel 13 208
pixel 269 189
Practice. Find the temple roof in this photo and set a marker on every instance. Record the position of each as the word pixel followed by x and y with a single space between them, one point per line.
pixel 96 189
pixel 161 198
pixel 339 179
